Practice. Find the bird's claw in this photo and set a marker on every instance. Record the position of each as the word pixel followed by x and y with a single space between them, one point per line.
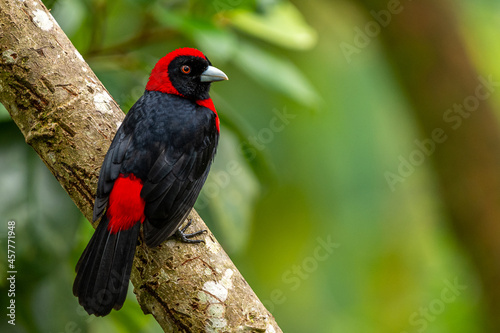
pixel 185 238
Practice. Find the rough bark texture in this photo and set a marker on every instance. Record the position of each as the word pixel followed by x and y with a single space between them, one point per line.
pixel 69 118
pixel 425 50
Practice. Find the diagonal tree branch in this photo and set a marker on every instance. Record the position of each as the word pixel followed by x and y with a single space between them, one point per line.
pixel 69 118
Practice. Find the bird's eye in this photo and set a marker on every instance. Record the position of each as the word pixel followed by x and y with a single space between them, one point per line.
pixel 186 69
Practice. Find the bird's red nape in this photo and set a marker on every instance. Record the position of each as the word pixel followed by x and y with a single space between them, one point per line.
pixel 126 207
pixel 208 103
pixel 159 80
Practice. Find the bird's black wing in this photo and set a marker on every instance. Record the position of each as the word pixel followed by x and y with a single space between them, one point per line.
pixel 110 170
pixel 173 184
pixel 113 161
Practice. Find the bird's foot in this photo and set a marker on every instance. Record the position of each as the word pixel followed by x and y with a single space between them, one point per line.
pixel 186 238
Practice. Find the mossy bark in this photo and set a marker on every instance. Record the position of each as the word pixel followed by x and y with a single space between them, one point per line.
pixel 69 119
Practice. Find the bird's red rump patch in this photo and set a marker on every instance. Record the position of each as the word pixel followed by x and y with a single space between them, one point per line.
pixel 208 103
pixel 126 207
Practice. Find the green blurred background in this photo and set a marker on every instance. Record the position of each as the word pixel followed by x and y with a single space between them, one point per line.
pixel 313 117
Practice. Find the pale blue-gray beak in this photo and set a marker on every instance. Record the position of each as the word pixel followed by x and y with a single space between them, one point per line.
pixel 212 74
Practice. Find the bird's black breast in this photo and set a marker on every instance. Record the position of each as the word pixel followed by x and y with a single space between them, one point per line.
pixel 163 122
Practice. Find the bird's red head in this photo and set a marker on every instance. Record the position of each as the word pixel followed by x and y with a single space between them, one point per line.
pixel 186 72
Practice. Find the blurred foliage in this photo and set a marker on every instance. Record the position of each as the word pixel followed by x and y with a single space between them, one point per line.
pixel 305 141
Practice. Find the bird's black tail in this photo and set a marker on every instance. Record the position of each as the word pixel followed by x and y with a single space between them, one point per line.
pixel 103 271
